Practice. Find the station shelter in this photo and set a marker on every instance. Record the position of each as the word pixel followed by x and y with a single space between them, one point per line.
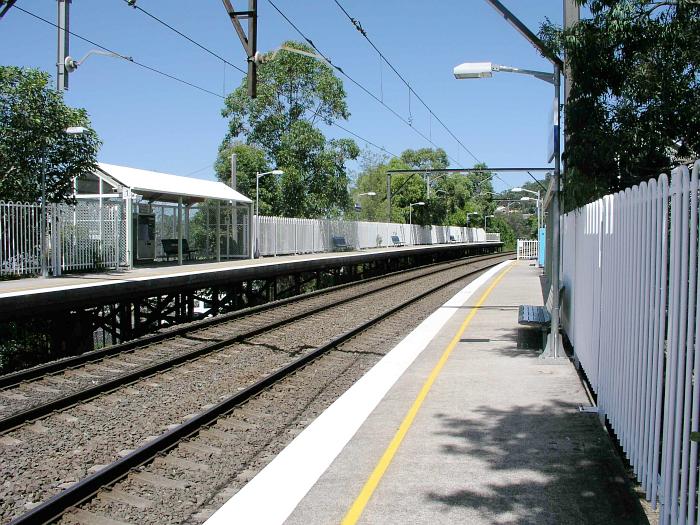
pixel 141 216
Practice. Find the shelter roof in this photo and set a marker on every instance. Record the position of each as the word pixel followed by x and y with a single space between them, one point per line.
pixel 154 185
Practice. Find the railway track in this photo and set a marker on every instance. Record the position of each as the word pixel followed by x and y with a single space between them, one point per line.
pixel 286 360
pixel 31 394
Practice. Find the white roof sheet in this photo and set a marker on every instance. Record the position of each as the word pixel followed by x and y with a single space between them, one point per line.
pixel 164 184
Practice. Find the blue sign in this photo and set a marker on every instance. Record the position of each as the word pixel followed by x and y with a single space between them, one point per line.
pixel 542 235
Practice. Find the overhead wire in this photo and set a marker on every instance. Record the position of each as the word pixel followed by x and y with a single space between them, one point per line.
pixel 128 59
pixel 133 4
pixel 356 23
pixel 351 79
pixel 367 91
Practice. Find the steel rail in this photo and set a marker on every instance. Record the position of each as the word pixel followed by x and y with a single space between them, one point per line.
pixel 54 507
pixel 15 378
pixel 20 418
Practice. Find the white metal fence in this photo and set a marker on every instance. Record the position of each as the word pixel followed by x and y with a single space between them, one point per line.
pixel 632 312
pixel 528 249
pixel 89 235
pixel 284 235
pixel 93 235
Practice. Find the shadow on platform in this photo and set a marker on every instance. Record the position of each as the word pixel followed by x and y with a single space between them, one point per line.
pixel 540 464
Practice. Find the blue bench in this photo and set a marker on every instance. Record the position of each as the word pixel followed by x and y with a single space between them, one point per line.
pixel 396 240
pixel 340 244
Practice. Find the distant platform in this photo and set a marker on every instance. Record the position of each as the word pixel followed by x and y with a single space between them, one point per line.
pixel 36 295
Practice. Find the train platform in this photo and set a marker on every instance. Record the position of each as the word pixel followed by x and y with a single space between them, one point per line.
pixel 34 295
pixel 461 422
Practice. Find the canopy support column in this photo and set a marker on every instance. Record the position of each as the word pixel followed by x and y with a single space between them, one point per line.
pixel 252 233
pixel 218 231
pixel 179 230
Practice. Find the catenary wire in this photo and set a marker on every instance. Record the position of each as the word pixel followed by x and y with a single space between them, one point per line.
pixel 128 59
pixel 131 3
pixel 351 79
pixel 363 88
pixel 180 80
pixel 356 23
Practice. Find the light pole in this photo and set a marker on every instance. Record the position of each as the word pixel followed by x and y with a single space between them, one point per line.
pixel 257 206
pixel 72 130
pixel 471 213
pixel 539 204
pixel 358 207
pixel 410 217
pixel 486 217
pixel 485 70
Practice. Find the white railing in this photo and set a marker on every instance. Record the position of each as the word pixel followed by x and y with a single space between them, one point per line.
pixel 285 235
pixel 528 249
pixel 632 312
pixel 86 236
pixel 93 235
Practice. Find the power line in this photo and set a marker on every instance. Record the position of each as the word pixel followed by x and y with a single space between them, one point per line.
pixel 128 59
pixel 340 70
pixel 180 80
pixel 356 23
pixel 132 3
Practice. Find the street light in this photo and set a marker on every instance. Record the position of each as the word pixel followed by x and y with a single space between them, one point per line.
pixel 368 194
pixel 487 217
pixel 410 217
pixel 72 130
pixel 257 206
pixel 471 213
pixel 539 204
pixel 485 70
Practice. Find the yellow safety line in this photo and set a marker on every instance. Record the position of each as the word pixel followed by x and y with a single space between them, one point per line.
pixel 370 486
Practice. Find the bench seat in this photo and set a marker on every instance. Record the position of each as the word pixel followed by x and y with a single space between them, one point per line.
pixel 533 315
pixel 340 244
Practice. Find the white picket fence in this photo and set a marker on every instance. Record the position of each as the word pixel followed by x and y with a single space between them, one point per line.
pixel 285 235
pixel 85 236
pixel 91 235
pixel 632 312
pixel 527 249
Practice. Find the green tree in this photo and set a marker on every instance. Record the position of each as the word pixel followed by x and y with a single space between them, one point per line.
pixel 452 195
pixel 33 119
pixel 634 107
pixel 295 94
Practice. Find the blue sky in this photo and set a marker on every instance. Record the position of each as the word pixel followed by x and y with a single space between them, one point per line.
pixel 151 122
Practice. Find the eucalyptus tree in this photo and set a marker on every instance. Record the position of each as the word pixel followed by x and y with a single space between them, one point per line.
pixel 297 94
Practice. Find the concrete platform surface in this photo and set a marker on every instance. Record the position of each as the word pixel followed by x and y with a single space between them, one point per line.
pixel 499 437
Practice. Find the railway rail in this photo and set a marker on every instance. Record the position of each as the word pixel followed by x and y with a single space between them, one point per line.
pixel 106 475
pixel 34 393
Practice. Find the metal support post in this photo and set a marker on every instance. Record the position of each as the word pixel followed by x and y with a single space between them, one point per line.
pixel 256 253
pixel 251 230
pixel 234 212
pixel 63 44
pixel 250 41
pixel 218 231
pixel 554 347
pixel 179 230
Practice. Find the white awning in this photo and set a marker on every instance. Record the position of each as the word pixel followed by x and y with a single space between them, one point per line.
pixel 165 187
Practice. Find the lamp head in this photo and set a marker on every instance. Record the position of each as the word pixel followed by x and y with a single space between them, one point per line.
pixel 277 172
pixel 473 70
pixel 75 130
pixel 517 189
